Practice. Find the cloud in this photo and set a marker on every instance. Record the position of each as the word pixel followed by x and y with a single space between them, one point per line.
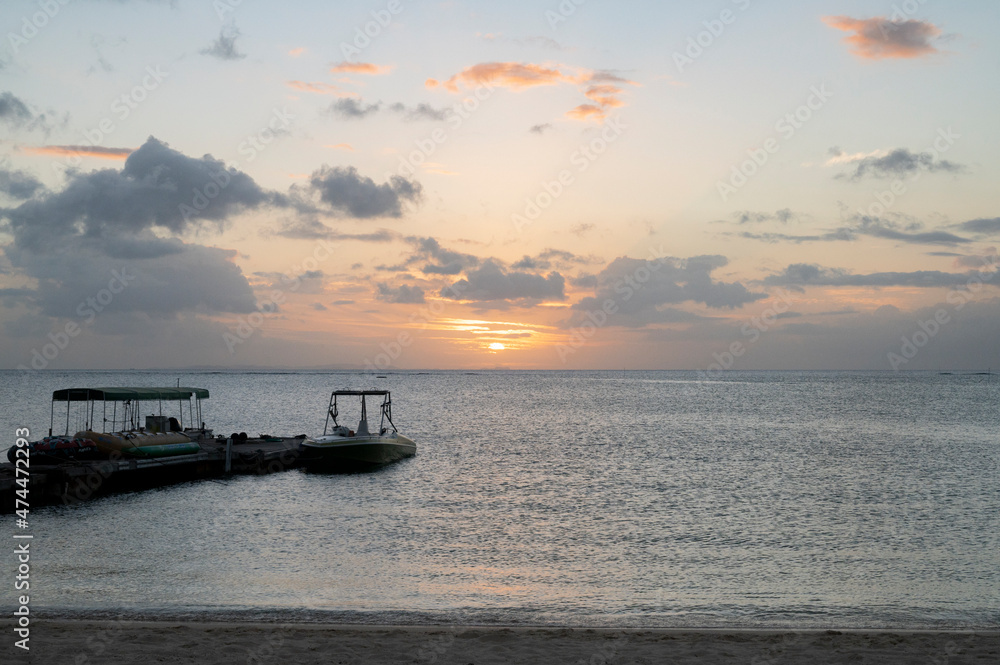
pixel 598 86
pixel 346 191
pixel 319 88
pixel 491 282
pixel 984 226
pixel 296 52
pixel 587 112
pixel 864 226
pixel 319 307
pixel 194 278
pixel 420 112
pixel 784 216
pixel 79 151
pixel 896 163
pixel 16 114
pixel 224 48
pixel 542 128
pixel 580 230
pixel 19 184
pixel 365 68
pixel 156 187
pixel 553 258
pixel 353 109
pixel 404 295
pixel 805 274
pixel 438 260
pixel 878 38
pixel 642 289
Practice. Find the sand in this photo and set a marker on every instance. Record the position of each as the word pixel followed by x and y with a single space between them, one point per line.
pixel 111 642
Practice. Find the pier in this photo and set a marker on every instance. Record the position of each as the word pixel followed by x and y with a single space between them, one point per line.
pixel 75 481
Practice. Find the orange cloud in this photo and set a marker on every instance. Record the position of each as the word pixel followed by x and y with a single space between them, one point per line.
pixel 296 52
pixel 877 38
pixel 605 95
pixel 601 87
pixel 79 151
pixel 341 146
pixel 361 68
pixel 587 112
pixel 513 75
pixel 320 88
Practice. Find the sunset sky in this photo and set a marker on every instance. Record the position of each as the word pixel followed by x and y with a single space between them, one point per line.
pixel 584 184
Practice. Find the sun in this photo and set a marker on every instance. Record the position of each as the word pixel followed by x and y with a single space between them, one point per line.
pixel 497 346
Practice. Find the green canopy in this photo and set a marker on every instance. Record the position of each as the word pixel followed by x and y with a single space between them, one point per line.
pixel 143 393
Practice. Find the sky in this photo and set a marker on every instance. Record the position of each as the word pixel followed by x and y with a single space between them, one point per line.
pixel 581 184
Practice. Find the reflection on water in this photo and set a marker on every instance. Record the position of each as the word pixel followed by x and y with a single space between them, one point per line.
pixel 575 498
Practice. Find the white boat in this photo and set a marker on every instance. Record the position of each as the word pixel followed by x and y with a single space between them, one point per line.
pixel 341 448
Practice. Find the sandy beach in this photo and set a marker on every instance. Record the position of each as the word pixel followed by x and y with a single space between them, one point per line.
pixel 111 642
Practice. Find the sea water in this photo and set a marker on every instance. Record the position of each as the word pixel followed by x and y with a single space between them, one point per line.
pixel 801 499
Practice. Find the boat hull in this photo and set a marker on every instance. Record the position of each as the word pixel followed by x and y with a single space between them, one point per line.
pixel 355 452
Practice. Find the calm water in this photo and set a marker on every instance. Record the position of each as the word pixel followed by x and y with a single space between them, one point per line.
pixel 581 498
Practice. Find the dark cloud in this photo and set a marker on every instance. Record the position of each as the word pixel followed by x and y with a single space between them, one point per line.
pixel 865 226
pixel 346 191
pixel 338 303
pixel 16 114
pixel 224 48
pixel 898 163
pixel 982 226
pixel 319 307
pixel 877 38
pixel 420 112
pixel 191 278
pixel 349 108
pixel 804 274
pixel 542 128
pixel 19 184
pixel 436 259
pixel 491 282
pixel 405 295
pixel 642 288
pixel 157 187
pixel 310 228
pixel 784 216
pixel 553 258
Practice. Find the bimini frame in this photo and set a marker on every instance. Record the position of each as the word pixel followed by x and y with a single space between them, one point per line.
pixel 130 399
pixel 386 409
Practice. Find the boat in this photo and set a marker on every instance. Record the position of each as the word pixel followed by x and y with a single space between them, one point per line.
pixel 116 432
pixel 341 448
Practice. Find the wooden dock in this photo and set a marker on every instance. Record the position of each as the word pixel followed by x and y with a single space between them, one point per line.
pixel 76 481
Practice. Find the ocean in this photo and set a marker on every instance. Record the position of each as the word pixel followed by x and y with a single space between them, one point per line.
pixel 639 498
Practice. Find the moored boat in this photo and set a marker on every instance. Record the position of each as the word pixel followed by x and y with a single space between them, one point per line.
pixel 340 448
pixel 107 424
